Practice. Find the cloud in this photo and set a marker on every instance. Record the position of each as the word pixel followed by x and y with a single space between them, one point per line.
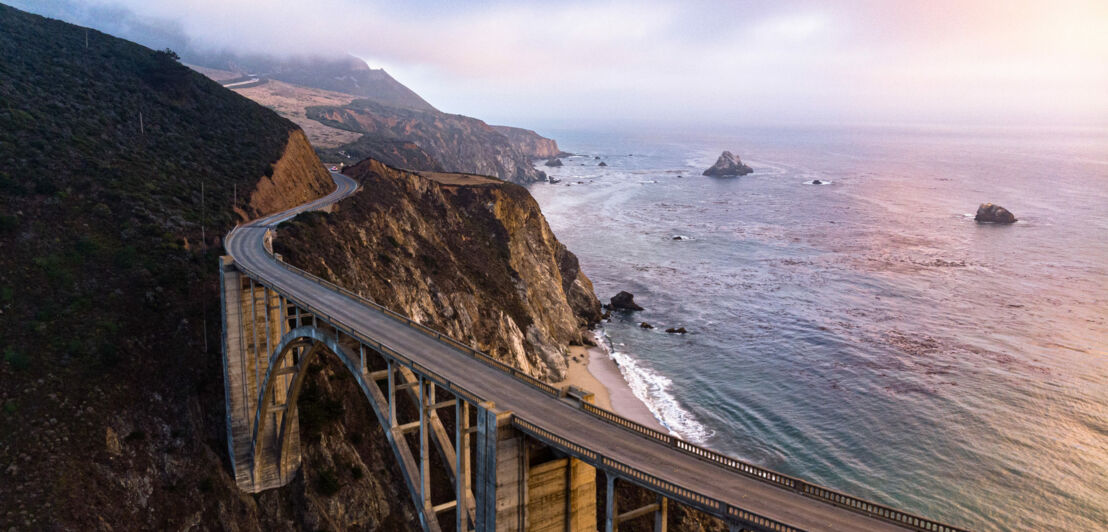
pixel 751 62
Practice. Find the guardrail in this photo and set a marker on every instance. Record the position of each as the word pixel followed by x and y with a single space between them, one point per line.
pixel 669 489
pixel 813 491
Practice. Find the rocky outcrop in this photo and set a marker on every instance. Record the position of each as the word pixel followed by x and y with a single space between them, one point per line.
pixel 728 165
pixel 484 268
pixel 297 177
pixel 987 212
pixel 529 143
pixel 555 162
pixel 624 301
pixel 457 143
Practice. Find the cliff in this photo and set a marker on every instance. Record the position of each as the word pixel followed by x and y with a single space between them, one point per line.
pixel 484 268
pixel 296 178
pixel 458 143
pixel 529 143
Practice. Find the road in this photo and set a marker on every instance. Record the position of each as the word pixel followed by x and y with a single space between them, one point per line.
pixel 246 246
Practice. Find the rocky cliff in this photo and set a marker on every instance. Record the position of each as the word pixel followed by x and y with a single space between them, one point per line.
pixel 484 267
pixel 458 143
pixel 529 143
pixel 296 178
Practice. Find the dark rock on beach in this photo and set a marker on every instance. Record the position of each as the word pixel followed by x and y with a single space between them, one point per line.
pixel 988 212
pixel 624 301
pixel 554 162
pixel 678 330
pixel 728 165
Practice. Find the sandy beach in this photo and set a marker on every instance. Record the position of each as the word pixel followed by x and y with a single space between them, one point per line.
pixel 590 368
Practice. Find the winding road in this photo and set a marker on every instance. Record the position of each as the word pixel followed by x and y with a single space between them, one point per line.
pixel 246 245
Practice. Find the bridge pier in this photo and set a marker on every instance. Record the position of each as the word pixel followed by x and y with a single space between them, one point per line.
pixel 252 326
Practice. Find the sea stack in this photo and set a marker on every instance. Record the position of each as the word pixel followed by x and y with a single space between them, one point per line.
pixel 624 301
pixel 996 214
pixel 728 165
pixel 554 162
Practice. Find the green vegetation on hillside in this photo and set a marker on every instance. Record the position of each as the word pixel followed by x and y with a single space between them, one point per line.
pixel 104 147
pixel 108 292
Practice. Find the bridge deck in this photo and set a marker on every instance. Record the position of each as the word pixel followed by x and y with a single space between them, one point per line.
pixel 536 407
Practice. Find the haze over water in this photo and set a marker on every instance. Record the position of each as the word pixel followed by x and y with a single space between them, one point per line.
pixel 867 335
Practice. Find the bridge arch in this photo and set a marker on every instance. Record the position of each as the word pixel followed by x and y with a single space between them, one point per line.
pixel 274 454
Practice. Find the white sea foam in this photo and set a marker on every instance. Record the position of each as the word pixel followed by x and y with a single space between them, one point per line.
pixel 654 390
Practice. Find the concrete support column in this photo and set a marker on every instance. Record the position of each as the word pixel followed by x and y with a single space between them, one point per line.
pixel 461 467
pixel 424 451
pixel 392 394
pixel 661 514
pixel 610 503
pixel 498 490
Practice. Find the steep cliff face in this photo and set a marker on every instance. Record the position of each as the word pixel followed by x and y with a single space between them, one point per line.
pixel 297 177
pixel 476 261
pixel 529 143
pixel 458 143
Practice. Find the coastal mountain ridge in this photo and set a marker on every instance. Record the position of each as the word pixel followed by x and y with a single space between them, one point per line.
pixel 382 118
pixel 348 75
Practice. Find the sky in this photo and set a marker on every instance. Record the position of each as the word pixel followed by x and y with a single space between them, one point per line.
pixel 688 63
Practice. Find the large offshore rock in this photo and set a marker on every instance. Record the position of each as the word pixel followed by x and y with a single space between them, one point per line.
pixel 988 212
pixel 728 165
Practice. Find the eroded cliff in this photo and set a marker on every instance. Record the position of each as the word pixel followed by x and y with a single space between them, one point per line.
pixel 297 177
pixel 458 143
pixel 529 143
pixel 476 261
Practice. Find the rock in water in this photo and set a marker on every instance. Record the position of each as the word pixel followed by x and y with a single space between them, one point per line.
pixel 645 325
pixel 624 301
pixel 554 162
pixel 817 182
pixel 988 212
pixel 678 330
pixel 728 165
pixel 602 163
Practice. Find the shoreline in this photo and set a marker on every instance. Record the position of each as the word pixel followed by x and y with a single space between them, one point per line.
pixel 591 368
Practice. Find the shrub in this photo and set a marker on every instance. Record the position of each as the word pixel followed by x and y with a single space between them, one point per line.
pixel 327 483
pixel 17 360
pixel 8 223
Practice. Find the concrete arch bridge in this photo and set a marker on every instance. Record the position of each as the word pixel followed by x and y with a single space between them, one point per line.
pixel 520 454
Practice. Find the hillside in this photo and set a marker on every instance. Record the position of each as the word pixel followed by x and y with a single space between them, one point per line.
pixel 347 75
pixel 119 172
pixel 458 143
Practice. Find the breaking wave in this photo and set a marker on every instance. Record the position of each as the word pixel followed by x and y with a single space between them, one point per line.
pixel 654 390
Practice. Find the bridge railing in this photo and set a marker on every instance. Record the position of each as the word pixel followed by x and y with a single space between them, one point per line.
pixel 807 489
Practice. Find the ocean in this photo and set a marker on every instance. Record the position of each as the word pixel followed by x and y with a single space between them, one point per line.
pixel 865 334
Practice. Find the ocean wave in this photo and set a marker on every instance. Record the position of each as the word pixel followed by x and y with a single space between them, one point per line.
pixel 654 390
